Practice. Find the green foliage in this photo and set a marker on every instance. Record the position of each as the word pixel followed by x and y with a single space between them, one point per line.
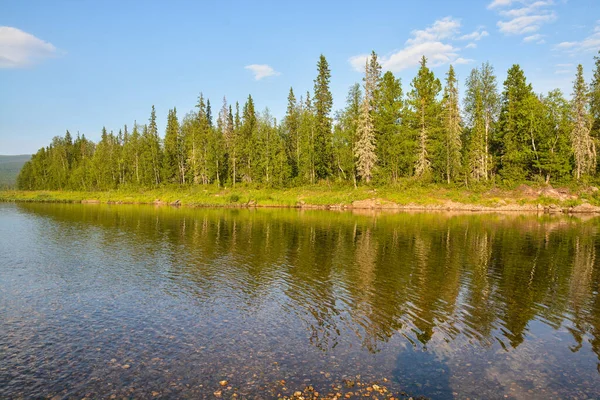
pixel 394 152
pixel 172 172
pixel 323 102
pixel 451 143
pixel 554 147
pixel 514 137
pixel 423 118
pixel 380 138
pixel 345 135
pixel 584 147
pixel 595 99
pixel 481 111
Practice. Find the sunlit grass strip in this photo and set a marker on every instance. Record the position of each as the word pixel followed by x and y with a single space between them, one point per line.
pixel 306 196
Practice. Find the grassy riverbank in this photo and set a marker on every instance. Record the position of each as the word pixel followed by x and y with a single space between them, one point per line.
pixel 522 198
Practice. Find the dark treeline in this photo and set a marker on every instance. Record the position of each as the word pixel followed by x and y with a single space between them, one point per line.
pixel 382 135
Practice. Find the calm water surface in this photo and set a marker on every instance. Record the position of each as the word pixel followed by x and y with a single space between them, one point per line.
pixel 128 300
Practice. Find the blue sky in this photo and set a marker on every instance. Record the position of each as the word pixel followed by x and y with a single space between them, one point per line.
pixel 81 65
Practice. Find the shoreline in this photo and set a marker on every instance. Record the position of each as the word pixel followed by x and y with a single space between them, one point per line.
pixel 521 200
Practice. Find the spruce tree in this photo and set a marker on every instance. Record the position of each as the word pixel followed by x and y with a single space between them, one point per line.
pixel 123 164
pixel 225 127
pixel 133 153
pixel 101 162
pixel 424 115
pixel 323 102
pixel 376 136
pixel 171 149
pixel 345 134
pixel 209 114
pixel 292 134
pixel 364 147
pixel 513 140
pixel 201 143
pixel 236 144
pixel 595 99
pixel 452 128
pixel 147 177
pixel 387 119
pixel 584 148
pixel 308 129
pixel 248 132
pixel 372 81
pixel 153 143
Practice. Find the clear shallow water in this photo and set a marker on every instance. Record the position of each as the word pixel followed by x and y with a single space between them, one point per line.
pixel 446 306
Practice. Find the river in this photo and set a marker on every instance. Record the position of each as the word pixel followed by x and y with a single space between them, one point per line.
pixel 162 302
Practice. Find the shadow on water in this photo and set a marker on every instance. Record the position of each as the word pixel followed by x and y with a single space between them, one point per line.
pixel 419 371
pixel 447 305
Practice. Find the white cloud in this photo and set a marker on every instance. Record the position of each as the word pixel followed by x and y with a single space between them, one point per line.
pixel 527 9
pixel 261 71
pixel 537 38
pixel 437 54
pixel 566 68
pixel 432 42
pixel 500 3
pixel 441 29
pixel 20 49
pixel 471 46
pixel 476 35
pixel 525 24
pixel 461 60
pixel 359 62
pixel 526 18
pixel 588 44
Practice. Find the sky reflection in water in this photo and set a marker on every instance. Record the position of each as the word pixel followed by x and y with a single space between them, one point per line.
pixel 442 305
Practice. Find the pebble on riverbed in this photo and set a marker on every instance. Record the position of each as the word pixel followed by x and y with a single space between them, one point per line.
pixel 359 390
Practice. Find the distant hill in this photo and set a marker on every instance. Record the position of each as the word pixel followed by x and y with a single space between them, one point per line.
pixel 9 169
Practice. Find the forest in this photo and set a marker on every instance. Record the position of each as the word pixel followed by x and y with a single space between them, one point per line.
pixel 385 134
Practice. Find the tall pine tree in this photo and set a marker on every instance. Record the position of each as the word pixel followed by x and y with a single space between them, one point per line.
pixel 452 128
pixel 171 166
pixel 387 121
pixel 584 147
pixel 364 147
pixel 424 116
pixel 513 141
pixel 323 101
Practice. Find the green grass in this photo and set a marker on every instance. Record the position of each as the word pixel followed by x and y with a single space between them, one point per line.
pixel 321 195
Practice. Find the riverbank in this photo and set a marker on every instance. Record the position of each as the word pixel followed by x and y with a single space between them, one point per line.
pixel 430 198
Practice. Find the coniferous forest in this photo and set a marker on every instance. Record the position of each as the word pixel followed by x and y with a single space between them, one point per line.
pixel 501 133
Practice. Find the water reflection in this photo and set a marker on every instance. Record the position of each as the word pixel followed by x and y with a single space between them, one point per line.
pixel 445 303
